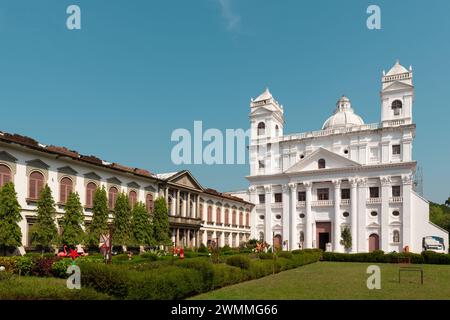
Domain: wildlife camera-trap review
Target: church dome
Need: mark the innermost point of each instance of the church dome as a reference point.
(343, 116)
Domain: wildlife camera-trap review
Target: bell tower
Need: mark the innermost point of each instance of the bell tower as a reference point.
(267, 124)
(397, 96)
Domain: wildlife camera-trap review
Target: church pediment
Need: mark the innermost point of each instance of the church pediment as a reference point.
(332, 161)
(397, 85)
(185, 178)
(263, 110)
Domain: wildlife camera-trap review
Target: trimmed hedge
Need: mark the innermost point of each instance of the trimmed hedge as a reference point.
(181, 279)
(428, 257)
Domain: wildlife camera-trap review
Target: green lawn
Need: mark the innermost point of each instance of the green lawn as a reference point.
(340, 280)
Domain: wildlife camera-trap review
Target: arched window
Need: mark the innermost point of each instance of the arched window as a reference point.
(227, 216)
(261, 236)
(218, 217)
(132, 198)
(149, 202)
(241, 218)
(36, 184)
(112, 196)
(90, 191)
(277, 131)
(397, 107)
(209, 213)
(261, 129)
(321, 163)
(5, 175)
(65, 188)
(247, 219)
(233, 218)
(396, 236)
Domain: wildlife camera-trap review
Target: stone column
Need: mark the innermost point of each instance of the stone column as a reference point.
(183, 207)
(293, 239)
(194, 206)
(385, 195)
(406, 192)
(253, 216)
(362, 212)
(222, 239)
(173, 237)
(336, 218)
(189, 238)
(178, 237)
(177, 212)
(309, 219)
(188, 206)
(268, 236)
(286, 215)
(166, 196)
(354, 214)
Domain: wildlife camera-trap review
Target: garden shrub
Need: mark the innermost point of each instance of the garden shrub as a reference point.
(109, 279)
(59, 268)
(202, 248)
(242, 262)
(261, 268)
(202, 265)
(285, 254)
(23, 265)
(225, 275)
(42, 266)
(150, 256)
(8, 262)
(432, 257)
(429, 257)
(265, 256)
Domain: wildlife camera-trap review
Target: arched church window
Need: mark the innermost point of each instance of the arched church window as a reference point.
(321, 163)
(261, 129)
(5, 175)
(261, 236)
(397, 107)
(396, 236)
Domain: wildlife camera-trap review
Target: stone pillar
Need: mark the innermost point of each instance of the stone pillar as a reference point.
(268, 236)
(222, 239)
(194, 206)
(354, 214)
(166, 196)
(178, 237)
(293, 237)
(253, 216)
(177, 212)
(406, 233)
(204, 237)
(337, 218)
(286, 216)
(362, 213)
(183, 207)
(189, 238)
(385, 195)
(188, 206)
(309, 219)
(173, 237)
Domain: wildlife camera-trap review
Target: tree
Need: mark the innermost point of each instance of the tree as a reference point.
(122, 220)
(10, 233)
(447, 202)
(99, 223)
(346, 238)
(140, 225)
(44, 233)
(160, 223)
(72, 233)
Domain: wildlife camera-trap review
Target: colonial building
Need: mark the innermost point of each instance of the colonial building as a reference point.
(30, 165)
(307, 187)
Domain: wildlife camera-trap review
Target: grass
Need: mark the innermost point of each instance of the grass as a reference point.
(340, 280)
(34, 288)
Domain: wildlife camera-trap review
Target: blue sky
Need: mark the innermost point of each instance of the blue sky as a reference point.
(140, 69)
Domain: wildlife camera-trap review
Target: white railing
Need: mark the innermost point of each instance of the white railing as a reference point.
(261, 206)
(373, 200)
(396, 199)
(322, 203)
(345, 202)
(276, 205)
(301, 204)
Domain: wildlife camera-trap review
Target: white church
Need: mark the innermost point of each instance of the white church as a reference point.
(307, 187)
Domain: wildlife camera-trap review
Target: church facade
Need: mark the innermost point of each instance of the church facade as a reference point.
(308, 187)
